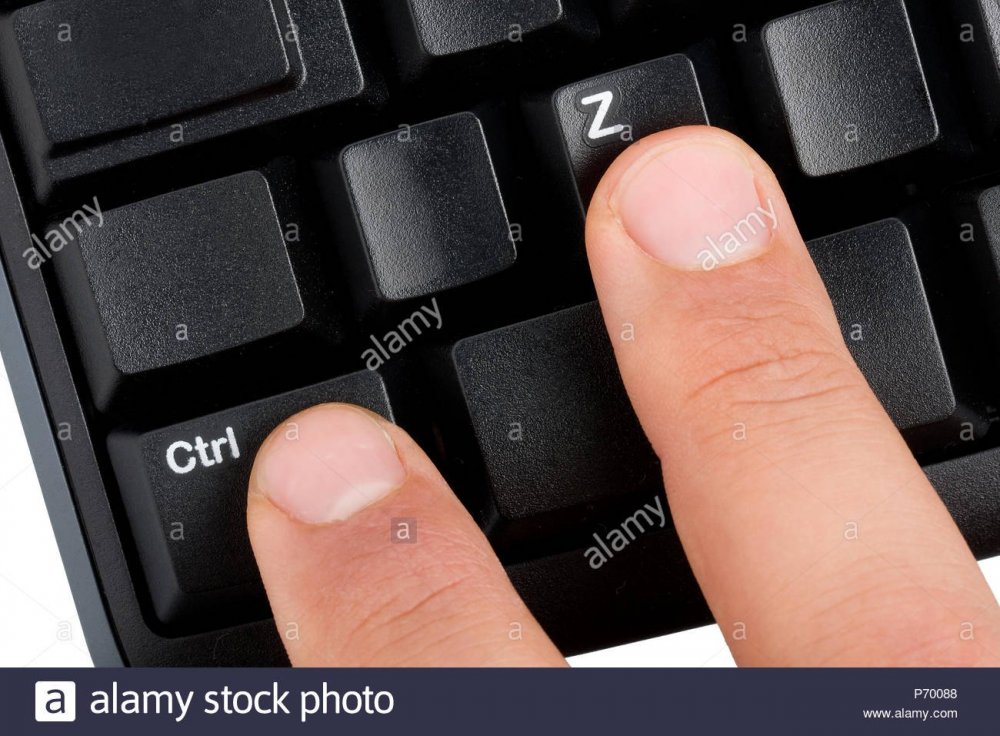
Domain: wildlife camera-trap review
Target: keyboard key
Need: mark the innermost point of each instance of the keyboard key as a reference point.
(428, 209)
(980, 41)
(986, 215)
(429, 32)
(598, 118)
(119, 66)
(174, 279)
(644, 587)
(979, 227)
(851, 84)
(970, 488)
(554, 427)
(184, 488)
(120, 80)
(874, 282)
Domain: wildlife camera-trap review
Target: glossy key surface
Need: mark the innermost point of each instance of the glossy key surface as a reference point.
(428, 208)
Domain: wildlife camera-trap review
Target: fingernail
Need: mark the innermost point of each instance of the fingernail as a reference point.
(695, 206)
(327, 464)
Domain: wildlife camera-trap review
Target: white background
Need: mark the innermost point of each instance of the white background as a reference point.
(38, 622)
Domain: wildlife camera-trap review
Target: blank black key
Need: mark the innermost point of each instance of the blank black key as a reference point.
(557, 435)
(184, 488)
(875, 285)
(106, 83)
(980, 40)
(987, 215)
(428, 209)
(598, 118)
(980, 210)
(431, 31)
(125, 63)
(176, 278)
(645, 589)
(970, 488)
(851, 84)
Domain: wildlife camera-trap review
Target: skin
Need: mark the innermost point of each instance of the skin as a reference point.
(765, 520)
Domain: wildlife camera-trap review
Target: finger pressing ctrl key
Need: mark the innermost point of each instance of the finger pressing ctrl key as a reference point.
(813, 533)
(370, 559)
(184, 490)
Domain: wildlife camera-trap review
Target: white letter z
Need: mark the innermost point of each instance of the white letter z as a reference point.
(604, 100)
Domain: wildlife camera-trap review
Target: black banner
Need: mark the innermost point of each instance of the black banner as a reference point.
(502, 702)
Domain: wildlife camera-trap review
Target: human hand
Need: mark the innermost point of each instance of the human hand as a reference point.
(742, 332)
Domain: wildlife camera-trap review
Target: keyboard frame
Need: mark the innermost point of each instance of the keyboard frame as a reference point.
(24, 375)
(112, 611)
(92, 531)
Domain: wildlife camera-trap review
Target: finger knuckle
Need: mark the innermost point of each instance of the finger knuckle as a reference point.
(775, 356)
(857, 622)
(408, 600)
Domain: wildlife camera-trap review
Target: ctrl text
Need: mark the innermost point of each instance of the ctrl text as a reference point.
(184, 456)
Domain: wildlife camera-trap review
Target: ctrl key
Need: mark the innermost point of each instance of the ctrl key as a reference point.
(184, 490)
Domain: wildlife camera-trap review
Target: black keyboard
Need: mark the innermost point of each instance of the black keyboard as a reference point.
(215, 213)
